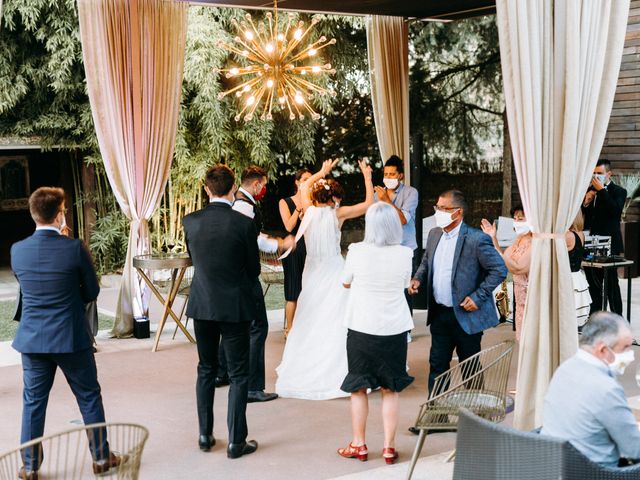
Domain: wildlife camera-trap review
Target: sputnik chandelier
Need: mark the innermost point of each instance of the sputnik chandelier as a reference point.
(280, 67)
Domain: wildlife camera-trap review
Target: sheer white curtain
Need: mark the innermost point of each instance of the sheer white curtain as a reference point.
(133, 55)
(560, 63)
(387, 45)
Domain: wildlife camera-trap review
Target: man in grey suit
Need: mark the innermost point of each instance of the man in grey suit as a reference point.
(585, 404)
(460, 269)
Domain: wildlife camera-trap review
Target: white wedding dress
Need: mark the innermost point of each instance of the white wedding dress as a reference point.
(314, 362)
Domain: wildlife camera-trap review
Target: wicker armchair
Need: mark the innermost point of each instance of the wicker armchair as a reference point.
(67, 455)
(271, 271)
(486, 451)
(479, 383)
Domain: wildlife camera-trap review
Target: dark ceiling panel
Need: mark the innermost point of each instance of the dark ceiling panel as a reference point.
(445, 9)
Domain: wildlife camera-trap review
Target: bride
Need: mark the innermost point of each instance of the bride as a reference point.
(314, 362)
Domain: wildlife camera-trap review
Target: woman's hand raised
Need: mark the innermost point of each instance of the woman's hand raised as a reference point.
(328, 165)
(366, 169)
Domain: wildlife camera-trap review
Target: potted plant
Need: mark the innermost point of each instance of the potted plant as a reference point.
(630, 229)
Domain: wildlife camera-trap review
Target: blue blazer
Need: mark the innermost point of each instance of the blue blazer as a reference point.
(477, 270)
(57, 278)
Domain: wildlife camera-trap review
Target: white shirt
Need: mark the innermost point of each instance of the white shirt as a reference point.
(53, 229)
(245, 208)
(443, 267)
(378, 277)
(265, 244)
(220, 200)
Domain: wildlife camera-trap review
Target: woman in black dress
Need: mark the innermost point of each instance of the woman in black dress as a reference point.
(291, 213)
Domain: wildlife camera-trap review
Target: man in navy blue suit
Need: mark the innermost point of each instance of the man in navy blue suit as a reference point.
(56, 279)
(460, 269)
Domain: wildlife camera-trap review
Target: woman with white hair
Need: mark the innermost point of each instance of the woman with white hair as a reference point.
(377, 271)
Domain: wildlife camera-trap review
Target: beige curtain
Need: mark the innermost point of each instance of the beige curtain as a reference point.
(387, 45)
(133, 55)
(560, 63)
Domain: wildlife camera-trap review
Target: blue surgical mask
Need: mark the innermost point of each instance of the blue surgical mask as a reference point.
(601, 178)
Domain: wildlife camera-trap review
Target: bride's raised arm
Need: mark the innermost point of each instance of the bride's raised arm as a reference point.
(359, 209)
(305, 187)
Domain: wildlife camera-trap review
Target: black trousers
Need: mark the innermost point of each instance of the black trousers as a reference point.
(235, 340)
(258, 338)
(446, 336)
(595, 278)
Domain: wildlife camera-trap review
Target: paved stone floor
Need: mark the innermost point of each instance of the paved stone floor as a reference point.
(297, 438)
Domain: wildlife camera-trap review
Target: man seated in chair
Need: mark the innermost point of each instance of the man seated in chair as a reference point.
(585, 404)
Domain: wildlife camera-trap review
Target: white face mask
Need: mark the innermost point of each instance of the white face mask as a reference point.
(521, 228)
(621, 361)
(600, 177)
(391, 183)
(443, 219)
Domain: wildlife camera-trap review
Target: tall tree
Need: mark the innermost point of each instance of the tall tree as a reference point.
(456, 93)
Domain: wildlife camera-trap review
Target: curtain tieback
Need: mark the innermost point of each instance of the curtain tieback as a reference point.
(548, 236)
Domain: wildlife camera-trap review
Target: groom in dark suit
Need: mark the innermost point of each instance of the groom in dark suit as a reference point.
(56, 279)
(460, 270)
(223, 248)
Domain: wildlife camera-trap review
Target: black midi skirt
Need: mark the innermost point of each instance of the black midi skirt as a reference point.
(293, 266)
(376, 361)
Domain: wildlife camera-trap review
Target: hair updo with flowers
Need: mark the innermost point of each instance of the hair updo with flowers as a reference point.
(325, 190)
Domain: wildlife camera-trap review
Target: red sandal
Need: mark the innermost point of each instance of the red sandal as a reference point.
(390, 455)
(360, 452)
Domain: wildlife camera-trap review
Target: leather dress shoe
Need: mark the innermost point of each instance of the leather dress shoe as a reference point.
(260, 396)
(114, 461)
(24, 474)
(205, 442)
(222, 381)
(236, 450)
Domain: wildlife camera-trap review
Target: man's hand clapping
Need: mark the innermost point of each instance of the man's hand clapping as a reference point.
(383, 195)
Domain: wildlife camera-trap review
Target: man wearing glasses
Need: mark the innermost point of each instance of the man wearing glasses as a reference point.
(460, 269)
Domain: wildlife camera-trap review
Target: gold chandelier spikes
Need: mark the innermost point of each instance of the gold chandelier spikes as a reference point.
(280, 70)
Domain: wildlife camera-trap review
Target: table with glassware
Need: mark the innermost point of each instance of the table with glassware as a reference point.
(177, 264)
(622, 263)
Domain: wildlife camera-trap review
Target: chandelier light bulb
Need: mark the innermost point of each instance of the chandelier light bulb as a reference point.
(276, 73)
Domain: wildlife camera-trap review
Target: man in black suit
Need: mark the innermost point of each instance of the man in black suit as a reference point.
(223, 248)
(56, 279)
(253, 187)
(602, 208)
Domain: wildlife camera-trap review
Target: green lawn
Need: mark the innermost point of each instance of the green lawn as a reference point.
(8, 327)
(274, 300)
